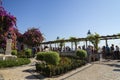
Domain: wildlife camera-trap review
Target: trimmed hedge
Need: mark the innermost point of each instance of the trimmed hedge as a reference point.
(28, 53)
(82, 54)
(14, 52)
(66, 64)
(15, 62)
(50, 57)
(41, 56)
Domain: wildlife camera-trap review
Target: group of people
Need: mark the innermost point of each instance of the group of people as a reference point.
(106, 52)
(112, 52)
(93, 54)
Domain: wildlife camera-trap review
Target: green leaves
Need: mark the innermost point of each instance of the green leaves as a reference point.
(49, 57)
(94, 39)
(82, 54)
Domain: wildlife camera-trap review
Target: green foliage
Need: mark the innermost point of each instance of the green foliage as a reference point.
(62, 42)
(21, 54)
(94, 39)
(28, 53)
(14, 52)
(41, 56)
(39, 67)
(14, 62)
(75, 41)
(66, 64)
(50, 57)
(82, 54)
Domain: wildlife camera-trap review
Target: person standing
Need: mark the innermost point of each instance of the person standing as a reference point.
(33, 51)
(117, 52)
(112, 51)
(107, 50)
(89, 52)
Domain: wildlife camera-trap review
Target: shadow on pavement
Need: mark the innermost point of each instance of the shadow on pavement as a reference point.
(31, 77)
(118, 61)
(114, 65)
(29, 70)
(116, 69)
(34, 75)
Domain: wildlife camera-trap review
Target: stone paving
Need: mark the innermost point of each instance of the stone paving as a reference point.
(105, 70)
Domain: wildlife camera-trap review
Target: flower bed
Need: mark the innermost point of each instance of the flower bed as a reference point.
(66, 64)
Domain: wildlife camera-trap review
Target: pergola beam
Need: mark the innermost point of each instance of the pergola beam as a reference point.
(84, 39)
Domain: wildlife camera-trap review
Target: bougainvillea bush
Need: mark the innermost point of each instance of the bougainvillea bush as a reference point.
(7, 23)
(6, 20)
(33, 37)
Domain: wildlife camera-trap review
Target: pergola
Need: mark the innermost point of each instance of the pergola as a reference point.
(106, 38)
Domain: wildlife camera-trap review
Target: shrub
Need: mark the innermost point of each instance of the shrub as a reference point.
(28, 53)
(14, 52)
(52, 58)
(15, 62)
(82, 54)
(21, 54)
(49, 57)
(41, 55)
(66, 64)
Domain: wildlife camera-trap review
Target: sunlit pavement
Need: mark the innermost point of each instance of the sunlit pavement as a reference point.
(104, 70)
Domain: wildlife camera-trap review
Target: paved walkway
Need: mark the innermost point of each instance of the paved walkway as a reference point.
(106, 70)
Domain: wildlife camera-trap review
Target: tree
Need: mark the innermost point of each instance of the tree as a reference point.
(94, 39)
(13, 31)
(33, 37)
(19, 36)
(7, 22)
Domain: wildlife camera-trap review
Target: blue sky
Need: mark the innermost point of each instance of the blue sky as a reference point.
(65, 18)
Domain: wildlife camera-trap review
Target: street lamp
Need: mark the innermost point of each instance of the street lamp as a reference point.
(57, 37)
(88, 32)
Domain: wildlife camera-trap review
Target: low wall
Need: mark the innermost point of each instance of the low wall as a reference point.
(7, 57)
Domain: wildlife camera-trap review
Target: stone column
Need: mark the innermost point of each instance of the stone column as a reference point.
(8, 47)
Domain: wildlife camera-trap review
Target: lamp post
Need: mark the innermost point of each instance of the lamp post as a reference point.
(88, 33)
(57, 39)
